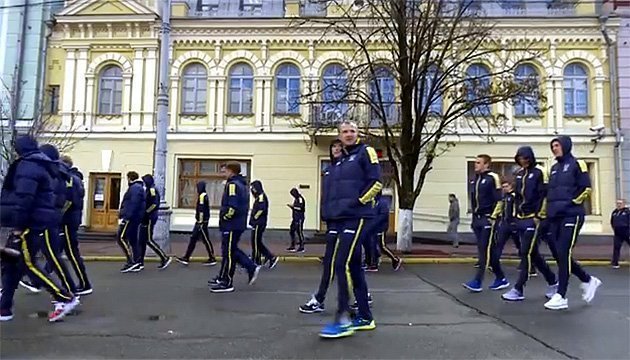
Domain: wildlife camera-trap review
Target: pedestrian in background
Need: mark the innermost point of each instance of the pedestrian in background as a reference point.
(152, 204)
(453, 219)
(200, 230)
(258, 222)
(620, 222)
(132, 209)
(298, 209)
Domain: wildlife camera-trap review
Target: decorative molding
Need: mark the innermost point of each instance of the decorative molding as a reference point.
(329, 57)
(286, 56)
(585, 57)
(203, 57)
(229, 59)
(124, 63)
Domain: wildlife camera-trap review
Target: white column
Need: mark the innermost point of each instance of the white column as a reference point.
(126, 100)
(79, 87)
(558, 103)
(500, 109)
(68, 89)
(599, 101)
(174, 102)
(268, 105)
(150, 86)
(220, 104)
(508, 111)
(136, 88)
(550, 116)
(89, 101)
(259, 100)
(211, 97)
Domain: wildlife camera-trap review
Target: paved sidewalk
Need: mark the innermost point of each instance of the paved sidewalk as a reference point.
(581, 252)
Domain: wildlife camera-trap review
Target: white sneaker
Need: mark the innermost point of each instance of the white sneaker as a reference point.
(30, 287)
(557, 302)
(551, 289)
(590, 288)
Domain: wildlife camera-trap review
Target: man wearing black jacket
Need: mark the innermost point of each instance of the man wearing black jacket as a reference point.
(200, 230)
(130, 214)
(149, 219)
(620, 222)
(297, 221)
(258, 222)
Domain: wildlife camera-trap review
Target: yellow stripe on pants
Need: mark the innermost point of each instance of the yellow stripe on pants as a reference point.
(73, 257)
(55, 261)
(33, 268)
(354, 243)
(573, 238)
(489, 246)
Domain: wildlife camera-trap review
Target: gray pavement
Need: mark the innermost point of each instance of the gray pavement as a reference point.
(421, 312)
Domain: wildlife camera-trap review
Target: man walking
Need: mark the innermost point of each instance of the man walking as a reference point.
(485, 195)
(150, 217)
(453, 219)
(620, 222)
(297, 221)
(132, 209)
(383, 204)
(258, 222)
(569, 186)
(200, 230)
(232, 224)
(354, 186)
(531, 191)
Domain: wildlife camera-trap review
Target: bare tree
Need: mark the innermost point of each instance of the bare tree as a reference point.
(418, 75)
(44, 126)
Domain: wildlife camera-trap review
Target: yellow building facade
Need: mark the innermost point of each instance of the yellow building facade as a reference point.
(229, 82)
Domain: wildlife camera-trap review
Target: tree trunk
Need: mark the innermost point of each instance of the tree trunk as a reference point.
(404, 235)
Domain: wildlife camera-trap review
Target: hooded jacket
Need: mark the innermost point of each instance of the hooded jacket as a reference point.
(531, 186)
(569, 183)
(260, 210)
(28, 199)
(202, 209)
(62, 184)
(234, 205)
(485, 194)
(355, 184)
(326, 183)
(152, 200)
(133, 204)
(299, 205)
(508, 208)
(75, 192)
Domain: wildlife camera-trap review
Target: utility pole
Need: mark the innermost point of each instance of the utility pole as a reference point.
(163, 225)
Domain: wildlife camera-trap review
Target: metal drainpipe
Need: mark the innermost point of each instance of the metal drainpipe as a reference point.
(614, 113)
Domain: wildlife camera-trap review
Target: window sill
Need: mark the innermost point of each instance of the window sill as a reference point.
(287, 114)
(239, 114)
(578, 118)
(194, 114)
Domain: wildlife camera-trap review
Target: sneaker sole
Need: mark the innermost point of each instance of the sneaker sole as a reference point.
(472, 289)
(166, 264)
(222, 290)
(255, 277)
(209, 264)
(182, 262)
(590, 298)
(368, 327)
(513, 299)
(337, 336)
(310, 311)
(66, 310)
(504, 286)
(396, 268)
(6, 318)
(273, 264)
(32, 289)
(556, 308)
(85, 292)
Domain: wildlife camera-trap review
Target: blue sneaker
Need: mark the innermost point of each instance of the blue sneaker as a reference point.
(499, 284)
(473, 285)
(336, 330)
(363, 324)
(513, 295)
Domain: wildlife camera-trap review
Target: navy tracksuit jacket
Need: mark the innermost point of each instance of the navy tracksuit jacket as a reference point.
(620, 222)
(132, 209)
(150, 217)
(258, 222)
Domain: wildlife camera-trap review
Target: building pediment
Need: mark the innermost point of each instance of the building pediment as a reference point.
(104, 8)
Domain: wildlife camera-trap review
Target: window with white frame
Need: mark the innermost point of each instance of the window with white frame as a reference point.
(287, 89)
(334, 91)
(383, 94)
(194, 85)
(478, 85)
(575, 90)
(240, 97)
(527, 76)
(110, 88)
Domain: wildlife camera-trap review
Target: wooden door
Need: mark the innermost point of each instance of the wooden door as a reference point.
(104, 201)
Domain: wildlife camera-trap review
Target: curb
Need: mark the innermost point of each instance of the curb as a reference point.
(406, 260)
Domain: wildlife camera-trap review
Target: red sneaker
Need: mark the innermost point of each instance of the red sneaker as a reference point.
(62, 309)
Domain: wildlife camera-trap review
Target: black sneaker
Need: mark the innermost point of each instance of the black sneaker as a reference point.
(396, 263)
(273, 262)
(128, 267)
(312, 306)
(222, 288)
(300, 250)
(30, 286)
(372, 268)
(254, 275)
(291, 249)
(210, 262)
(355, 306)
(165, 263)
(214, 281)
(137, 268)
(182, 260)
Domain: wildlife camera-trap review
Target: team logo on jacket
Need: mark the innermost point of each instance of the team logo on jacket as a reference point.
(530, 176)
(565, 168)
(483, 181)
(351, 158)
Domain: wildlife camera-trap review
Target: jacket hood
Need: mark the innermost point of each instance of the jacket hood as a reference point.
(526, 152)
(333, 143)
(566, 143)
(257, 187)
(239, 178)
(25, 144)
(201, 187)
(50, 151)
(295, 193)
(148, 180)
(77, 172)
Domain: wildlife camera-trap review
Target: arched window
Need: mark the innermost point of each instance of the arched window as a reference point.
(575, 90)
(526, 105)
(195, 81)
(478, 87)
(240, 96)
(287, 89)
(334, 91)
(110, 87)
(429, 93)
(383, 83)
